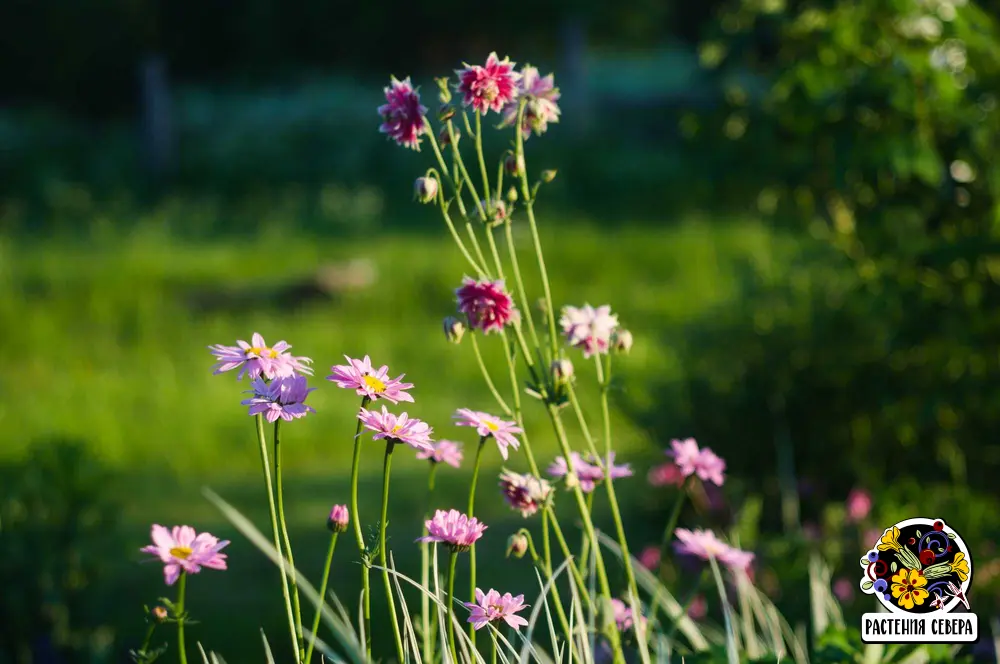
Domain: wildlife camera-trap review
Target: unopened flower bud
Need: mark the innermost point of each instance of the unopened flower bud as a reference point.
(159, 613)
(517, 545)
(453, 329)
(444, 138)
(446, 112)
(498, 213)
(425, 189)
(339, 518)
(512, 195)
(513, 164)
(444, 94)
(548, 175)
(623, 341)
(562, 370)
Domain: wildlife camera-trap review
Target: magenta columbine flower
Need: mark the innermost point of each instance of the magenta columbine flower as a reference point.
(494, 607)
(402, 114)
(502, 431)
(705, 545)
(487, 304)
(859, 504)
(588, 328)
(257, 359)
(525, 493)
(183, 550)
(361, 376)
(488, 88)
(692, 460)
(453, 528)
(541, 95)
(443, 451)
(402, 429)
(281, 398)
(338, 519)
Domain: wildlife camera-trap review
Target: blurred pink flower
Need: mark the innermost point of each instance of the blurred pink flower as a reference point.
(453, 528)
(183, 550)
(402, 429)
(859, 505)
(843, 589)
(692, 460)
(698, 608)
(443, 451)
(540, 108)
(282, 398)
(665, 474)
(402, 114)
(588, 328)
(486, 304)
(257, 359)
(489, 87)
(366, 381)
(525, 493)
(502, 431)
(494, 607)
(608, 467)
(705, 545)
(624, 617)
(650, 557)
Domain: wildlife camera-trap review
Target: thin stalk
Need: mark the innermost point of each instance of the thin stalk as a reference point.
(293, 585)
(425, 574)
(181, 650)
(472, 549)
(457, 154)
(451, 605)
(482, 161)
(731, 650)
(546, 567)
(493, 638)
(585, 544)
(455, 236)
(519, 282)
(493, 250)
(685, 607)
(675, 513)
(561, 541)
(322, 596)
(486, 376)
(390, 443)
(360, 537)
(518, 416)
(500, 170)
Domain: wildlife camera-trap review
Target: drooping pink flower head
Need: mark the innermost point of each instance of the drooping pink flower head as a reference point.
(494, 607)
(486, 304)
(705, 545)
(624, 617)
(587, 474)
(540, 95)
(338, 519)
(257, 359)
(588, 328)
(402, 114)
(525, 493)
(282, 398)
(443, 451)
(859, 504)
(181, 549)
(361, 376)
(502, 431)
(490, 87)
(665, 474)
(692, 460)
(453, 528)
(403, 429)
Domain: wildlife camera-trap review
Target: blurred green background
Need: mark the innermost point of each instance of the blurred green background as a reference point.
(794, 206)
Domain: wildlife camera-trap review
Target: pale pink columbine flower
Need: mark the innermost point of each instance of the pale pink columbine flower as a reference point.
(443, 451)
(490, 87)
(705, 545)
(502, 431)
(541, 95)
(494, 607)
(402, 114)
(486, 304)
(665, 474)
(692, 460)
(282, 398)
(361, 376)
(257, 359)
(587, 474)
(588, 328)
(624, 617)
(453, 528)
(402, 429)
(525, 493)
(859, 504)
(181, 549)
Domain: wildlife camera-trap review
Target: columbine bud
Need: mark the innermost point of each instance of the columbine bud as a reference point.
(453, 329)
(425, 189)
(549, 175)
(562, 370)
(512, 195)
(517, 545)
(499, 212)
(513, 165)
(159, 613)
(444, 138)
(446, 112)
(339, 518)
(444, 96)
(623, 341)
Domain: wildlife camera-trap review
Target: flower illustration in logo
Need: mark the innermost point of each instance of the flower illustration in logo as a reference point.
(908, 587)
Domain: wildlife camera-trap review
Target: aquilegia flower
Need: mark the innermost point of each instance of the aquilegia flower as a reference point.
(181, 549)
(361, 376)
(588, 328)
(494, 607)
(705, 545)
(402, 114)
(525, 493)
(488, 88)
(403, 429)
(281, 398)
(443, 451)
(502, 431)
(453, 528)
(487, 304)
(541, 95)
(692, 460)
(257, 359)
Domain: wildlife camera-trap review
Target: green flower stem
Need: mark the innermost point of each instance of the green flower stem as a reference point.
(585, 543)
(731, 651)
(493, 637)
(518, 416)
(360, 537)
(472, 549)
(390, 443)
(482, 161)
(486, 376)
(464, 171)
(685, 606)
(425, 565)
(546, 567)
(521, 293)
(561, 541)
(493, 250)
(297, 609)
(181, 587)
(455, 236)
(265, 464)
(499, 194)
(322, 596)
(675, 513)
(452, 179)
(451, 605)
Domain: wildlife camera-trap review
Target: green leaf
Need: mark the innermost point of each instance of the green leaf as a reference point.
(918, 533)
(893, 566)
(867, 585)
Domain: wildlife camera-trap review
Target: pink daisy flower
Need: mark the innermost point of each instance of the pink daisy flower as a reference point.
(692, 460)
(705, 545)
(257, 359)
(486, 304)
(540, 108)
(588, 328)
(281, 398)
(453, 528)
(587, 474)
(402, 114)
(402, 429)
(525, 493)
(494, 607)
(339, 518)
(490, 87)
(502, 431)
(361, 376)
(183, 550)
(710, 467)
(623, 615)
(443, 451)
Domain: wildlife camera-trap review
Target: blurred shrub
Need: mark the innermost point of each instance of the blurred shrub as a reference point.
(58, 535)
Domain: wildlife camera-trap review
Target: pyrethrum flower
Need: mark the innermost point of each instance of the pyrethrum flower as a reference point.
(705, 545)
(281, 398)
(181, 549)
(257, 359)
(490, 87)
(540, 95)
(692, 460)
(525, 493)
(402, 114)
(494, 607)
(588, 328)
(361, 376)
(403, 429)
(502, 431)
(443, 451)
(338, 519)
(486, 304)
(453, 528)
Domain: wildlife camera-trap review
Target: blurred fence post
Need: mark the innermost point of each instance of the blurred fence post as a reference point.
(574, 72)
(157, 123)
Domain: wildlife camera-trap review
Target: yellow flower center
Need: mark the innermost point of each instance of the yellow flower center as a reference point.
(374, 384)
(271, 353)
(396, 428)
(181, 552)
(259, 351)
(492, 426)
